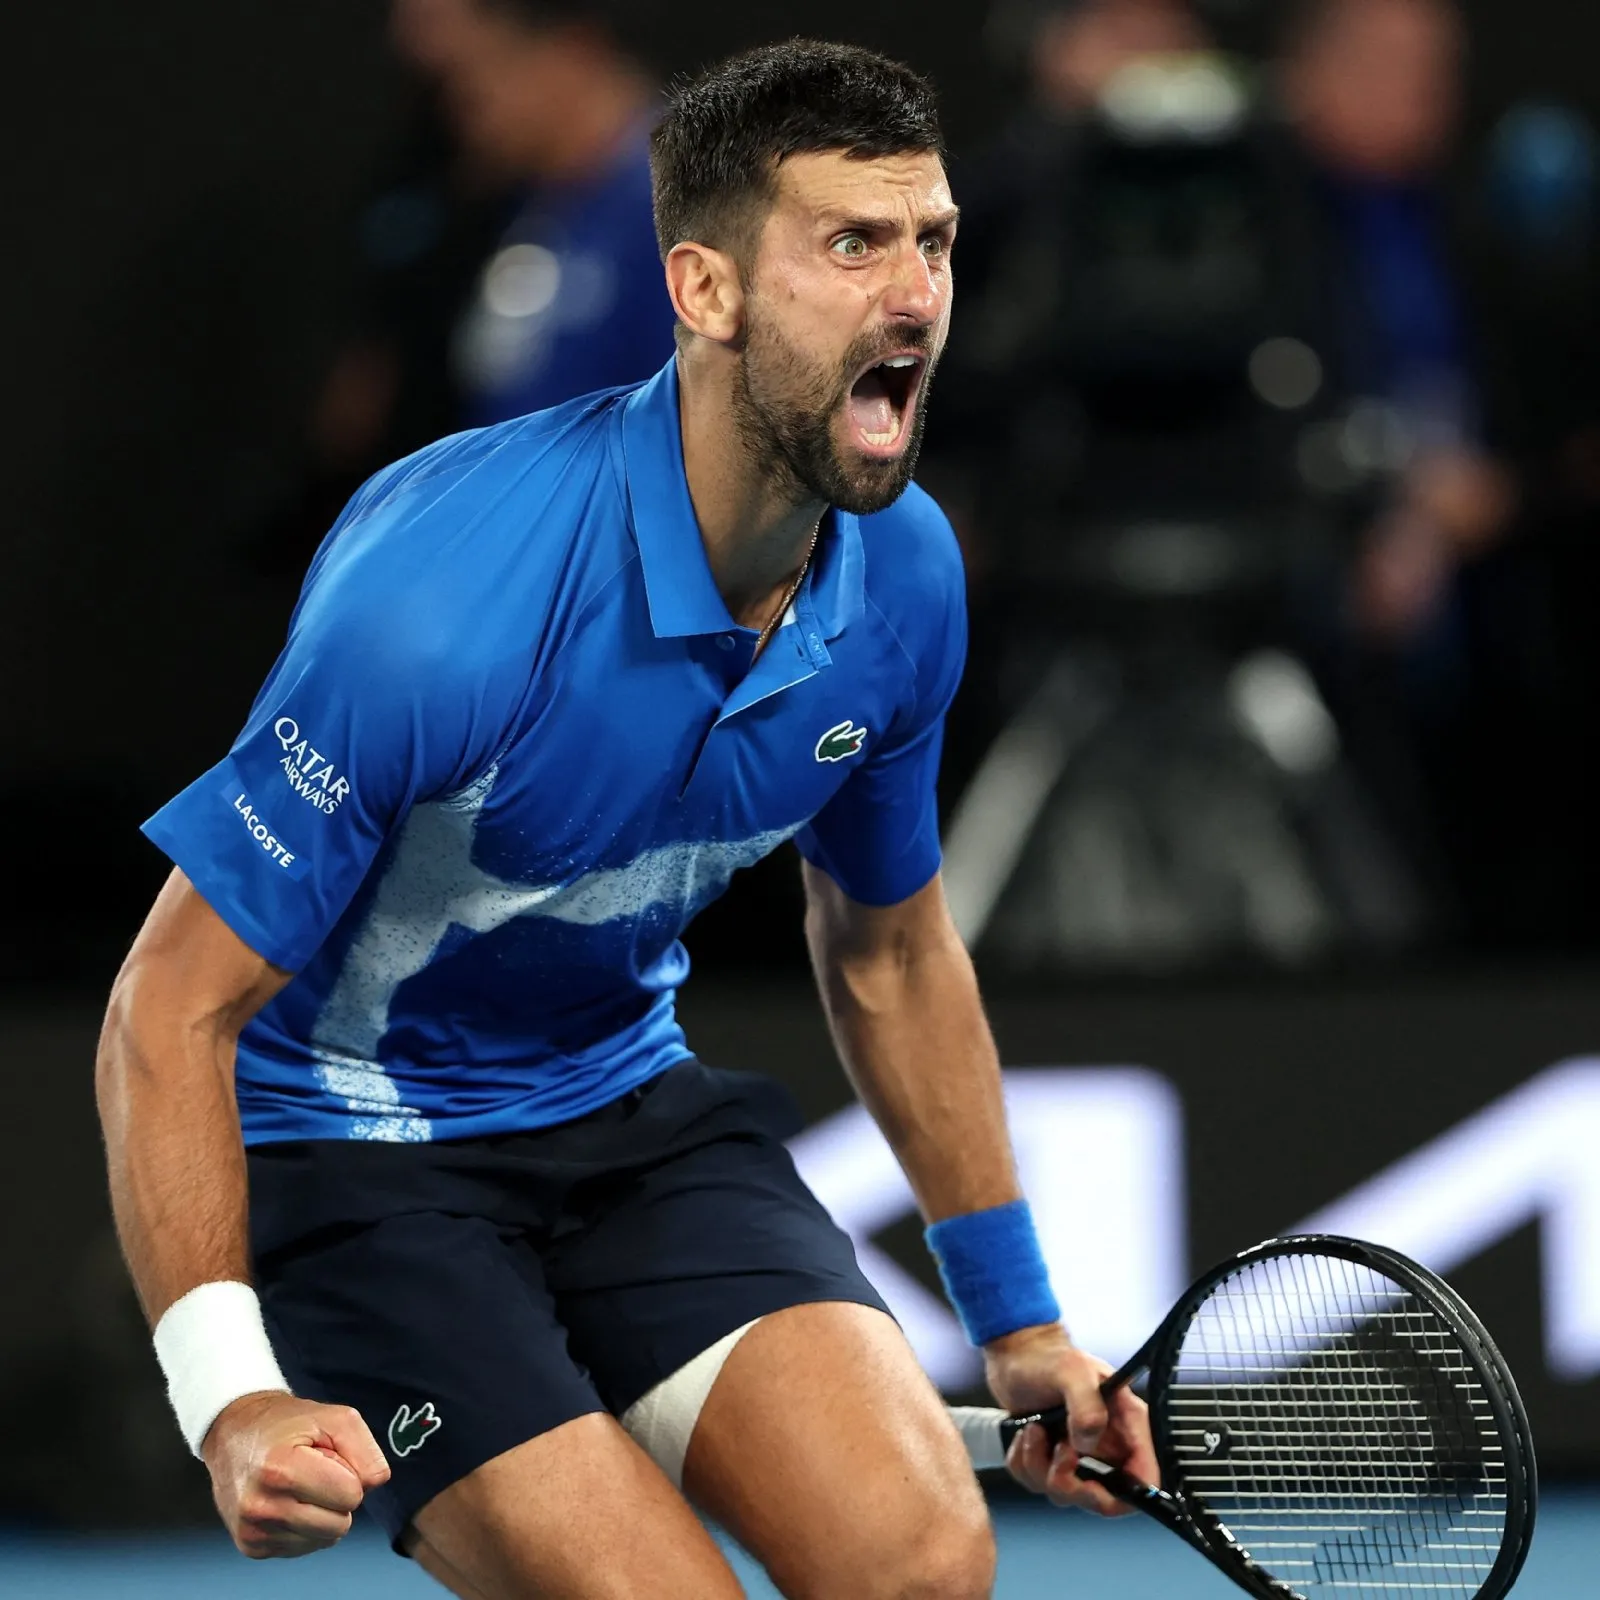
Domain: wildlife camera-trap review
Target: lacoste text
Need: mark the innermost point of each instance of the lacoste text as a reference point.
(261, 833)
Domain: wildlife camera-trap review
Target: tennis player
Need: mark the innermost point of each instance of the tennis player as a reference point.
(430, 1203)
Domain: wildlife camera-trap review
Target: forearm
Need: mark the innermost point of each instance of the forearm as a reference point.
(174, 1154)
(910, 1029)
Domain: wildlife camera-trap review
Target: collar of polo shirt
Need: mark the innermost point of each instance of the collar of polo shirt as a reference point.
(683, 594)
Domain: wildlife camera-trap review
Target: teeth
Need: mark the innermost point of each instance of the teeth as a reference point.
(899, 361)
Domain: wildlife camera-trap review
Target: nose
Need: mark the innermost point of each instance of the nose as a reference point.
(917, 291)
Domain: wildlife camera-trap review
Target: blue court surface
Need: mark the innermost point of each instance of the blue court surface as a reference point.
(1042, 1554)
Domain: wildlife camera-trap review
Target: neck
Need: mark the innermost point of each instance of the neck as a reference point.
(756, 522)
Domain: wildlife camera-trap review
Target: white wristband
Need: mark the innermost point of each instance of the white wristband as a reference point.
(213, 1347)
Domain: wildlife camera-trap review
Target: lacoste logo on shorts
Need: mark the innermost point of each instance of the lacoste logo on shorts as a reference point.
(410, 1430)
(843, 739)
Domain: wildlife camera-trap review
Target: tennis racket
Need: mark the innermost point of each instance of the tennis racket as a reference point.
(1331, 1419)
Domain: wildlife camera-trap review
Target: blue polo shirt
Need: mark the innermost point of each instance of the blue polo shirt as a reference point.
(515, 742)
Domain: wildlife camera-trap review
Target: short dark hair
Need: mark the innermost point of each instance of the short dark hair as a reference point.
(714, 156)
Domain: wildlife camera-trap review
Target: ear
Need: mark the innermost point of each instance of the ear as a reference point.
(706, 291)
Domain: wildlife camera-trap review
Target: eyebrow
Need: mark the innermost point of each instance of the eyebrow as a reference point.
(855, 224)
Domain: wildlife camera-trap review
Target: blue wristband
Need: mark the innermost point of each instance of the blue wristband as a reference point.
(993, 1271)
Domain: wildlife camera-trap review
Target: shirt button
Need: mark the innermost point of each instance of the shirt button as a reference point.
(726, 641)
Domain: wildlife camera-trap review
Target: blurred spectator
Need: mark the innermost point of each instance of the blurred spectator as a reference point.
(1411, 631)
(512, 264)
(506, 262)
(540, 93)
(1373, 88)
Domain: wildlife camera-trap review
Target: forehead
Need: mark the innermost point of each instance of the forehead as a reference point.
(828, 183)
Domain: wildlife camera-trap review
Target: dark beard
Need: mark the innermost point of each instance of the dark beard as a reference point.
(784, 408)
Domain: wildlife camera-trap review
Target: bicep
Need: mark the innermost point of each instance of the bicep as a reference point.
(187, 962)
(846, 932)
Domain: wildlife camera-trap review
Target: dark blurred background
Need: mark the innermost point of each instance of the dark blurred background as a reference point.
(1254, 382)
(1271, 428)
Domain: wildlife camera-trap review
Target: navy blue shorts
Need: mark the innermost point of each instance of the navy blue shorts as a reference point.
(467, 1296)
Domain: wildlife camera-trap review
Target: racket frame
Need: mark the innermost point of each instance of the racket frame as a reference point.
(1206, 1532)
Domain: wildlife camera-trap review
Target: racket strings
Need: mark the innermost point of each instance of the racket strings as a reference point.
(1335, 1424)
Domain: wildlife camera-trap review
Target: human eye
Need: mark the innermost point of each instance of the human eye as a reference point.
(852, 246)
(935, 246)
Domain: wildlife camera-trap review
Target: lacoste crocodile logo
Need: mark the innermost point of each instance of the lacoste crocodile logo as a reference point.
(410, 1430)
(842, 740)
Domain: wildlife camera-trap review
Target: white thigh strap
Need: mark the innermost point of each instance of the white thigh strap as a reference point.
(662, 1421)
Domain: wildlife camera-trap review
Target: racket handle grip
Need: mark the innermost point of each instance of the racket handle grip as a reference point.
(980, 1430)
(1054, 1422)
(1117, 1483)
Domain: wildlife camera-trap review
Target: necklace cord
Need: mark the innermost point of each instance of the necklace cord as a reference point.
(775, 620)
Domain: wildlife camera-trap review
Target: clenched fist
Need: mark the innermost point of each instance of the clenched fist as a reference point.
(288, 1474)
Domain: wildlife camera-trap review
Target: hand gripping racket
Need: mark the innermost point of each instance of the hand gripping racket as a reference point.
(1331, 1419)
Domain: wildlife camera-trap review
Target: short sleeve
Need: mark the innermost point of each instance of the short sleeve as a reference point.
(878, 837)
(359, 719)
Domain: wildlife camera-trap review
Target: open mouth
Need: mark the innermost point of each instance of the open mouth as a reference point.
(882, 401)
